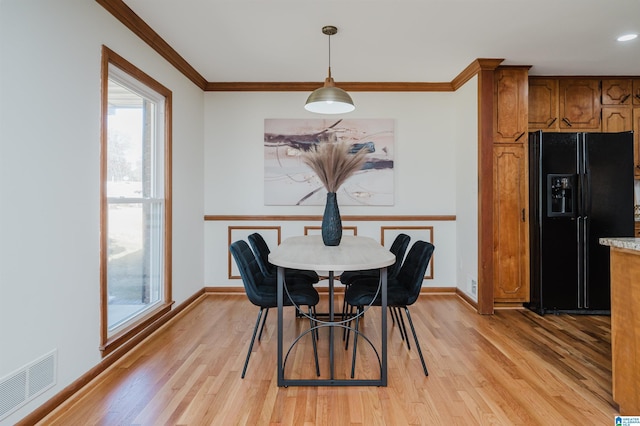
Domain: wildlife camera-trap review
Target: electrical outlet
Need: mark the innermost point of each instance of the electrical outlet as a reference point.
(472, 285)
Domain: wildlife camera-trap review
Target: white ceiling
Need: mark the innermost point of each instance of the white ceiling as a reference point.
(394, 40)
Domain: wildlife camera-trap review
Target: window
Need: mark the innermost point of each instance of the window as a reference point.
(135, 260)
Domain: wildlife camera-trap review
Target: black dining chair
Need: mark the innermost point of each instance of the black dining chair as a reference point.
(402, 291)
(261, 250)
(398, 248)
(262, 292)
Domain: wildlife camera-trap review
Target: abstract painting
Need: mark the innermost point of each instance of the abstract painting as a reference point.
(289, 182)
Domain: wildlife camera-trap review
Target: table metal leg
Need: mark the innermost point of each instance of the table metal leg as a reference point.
(332, 381)
(383, 372)
(331, 327)
(280, 280)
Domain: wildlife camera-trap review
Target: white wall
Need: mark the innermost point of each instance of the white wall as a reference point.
(425, 167)
(49, 181)
(467, 186)
(49, 177)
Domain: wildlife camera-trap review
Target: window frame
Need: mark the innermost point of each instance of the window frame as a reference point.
(139, 323)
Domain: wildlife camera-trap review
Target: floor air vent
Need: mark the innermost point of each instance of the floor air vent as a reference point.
(23, 385)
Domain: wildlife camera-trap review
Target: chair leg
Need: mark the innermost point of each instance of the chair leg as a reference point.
(403, 329)
(266, 313)
(397, 315)
(344, 303)
(346, 330)
(415, 337)
(313, 339)
(253, 338)
(315, 315)
(355, 342)
(345, 311)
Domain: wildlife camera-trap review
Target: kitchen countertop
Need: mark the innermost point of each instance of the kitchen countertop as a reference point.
(625, 243)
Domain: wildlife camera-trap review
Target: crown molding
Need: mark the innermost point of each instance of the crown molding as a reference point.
(131, 20)
(473, 69)
(310, 86)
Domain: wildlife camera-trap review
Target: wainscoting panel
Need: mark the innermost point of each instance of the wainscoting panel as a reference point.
(271, 234)
(424, 233)
(221, 231)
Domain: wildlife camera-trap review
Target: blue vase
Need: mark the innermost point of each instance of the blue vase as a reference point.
(331, 222)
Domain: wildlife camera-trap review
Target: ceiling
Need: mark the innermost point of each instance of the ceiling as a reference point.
(394, 40)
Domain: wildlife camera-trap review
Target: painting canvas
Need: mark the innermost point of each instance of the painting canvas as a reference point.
(289, 182)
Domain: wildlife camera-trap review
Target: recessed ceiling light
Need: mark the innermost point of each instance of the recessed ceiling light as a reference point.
(627, 37)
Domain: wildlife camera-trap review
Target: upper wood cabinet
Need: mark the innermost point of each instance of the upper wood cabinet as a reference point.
(617, 119)
(636, 141)
(510, 106)
(624, 113)
(617, 92)
(565, 105)
(543, 104)
(579, 105)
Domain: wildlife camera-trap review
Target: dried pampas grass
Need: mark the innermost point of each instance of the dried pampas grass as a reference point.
(333, 163)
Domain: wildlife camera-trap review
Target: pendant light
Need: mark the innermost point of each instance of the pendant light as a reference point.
(329, 99)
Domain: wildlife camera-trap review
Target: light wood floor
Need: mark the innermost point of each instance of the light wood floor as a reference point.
(514, 367)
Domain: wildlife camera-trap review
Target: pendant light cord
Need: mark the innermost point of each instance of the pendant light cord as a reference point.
(329, 51)
(329, 55)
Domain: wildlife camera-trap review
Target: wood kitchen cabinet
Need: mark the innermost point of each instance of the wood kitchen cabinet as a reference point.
(617, 119)
(579, 105)
(625, 329)
(543, 105)
(510, 223)
(635, 93)
(510, 185)
(565, 105)
(510, 104)
(620, 113)
(636, 142)
(616, 91)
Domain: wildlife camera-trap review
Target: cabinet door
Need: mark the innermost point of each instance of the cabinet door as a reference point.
(616, 92)
(579, 105)
(510, 106)
(543, 104)
(617, 119)
(636, 92)
(510, 232)
(636, 142)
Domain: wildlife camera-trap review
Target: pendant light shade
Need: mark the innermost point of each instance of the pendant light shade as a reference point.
(329, 99)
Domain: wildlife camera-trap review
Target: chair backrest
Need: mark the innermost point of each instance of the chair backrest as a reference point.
(261, 250)
(252, 277)
(399, 248)
(413, 268)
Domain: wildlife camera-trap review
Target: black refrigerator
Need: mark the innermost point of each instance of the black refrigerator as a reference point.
(581, 189)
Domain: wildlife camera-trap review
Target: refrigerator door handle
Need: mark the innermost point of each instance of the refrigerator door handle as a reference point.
(587, 190)
(585, 178)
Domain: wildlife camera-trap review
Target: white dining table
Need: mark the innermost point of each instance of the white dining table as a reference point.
(354, 253)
